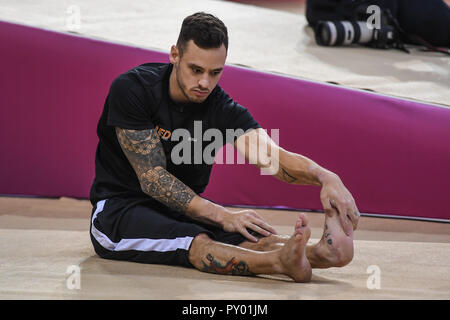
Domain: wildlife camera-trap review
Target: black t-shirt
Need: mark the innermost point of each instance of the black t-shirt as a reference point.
(139, 99)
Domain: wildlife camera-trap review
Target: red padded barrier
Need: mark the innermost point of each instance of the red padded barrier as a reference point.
(392, 154)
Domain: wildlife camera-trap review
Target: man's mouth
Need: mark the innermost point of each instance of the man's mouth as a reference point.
(201, 93)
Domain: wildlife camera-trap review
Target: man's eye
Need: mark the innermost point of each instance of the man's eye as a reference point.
(197, 70)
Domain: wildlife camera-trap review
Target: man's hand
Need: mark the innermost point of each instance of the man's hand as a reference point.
(336, 198)
(240, 221)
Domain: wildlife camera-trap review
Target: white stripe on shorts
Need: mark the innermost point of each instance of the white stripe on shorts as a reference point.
(140, 244)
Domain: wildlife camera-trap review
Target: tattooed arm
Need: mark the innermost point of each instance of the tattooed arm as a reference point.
(261, 150)
(145, 153)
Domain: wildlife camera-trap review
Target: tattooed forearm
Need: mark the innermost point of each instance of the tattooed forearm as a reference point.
(166, 188)
(232, 266)
(146, 155)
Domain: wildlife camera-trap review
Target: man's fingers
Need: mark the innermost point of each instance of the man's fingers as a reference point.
(345, 223)
(353, 214)
(267, 227)
(328, 208)
(354, 217)
(258, 229)
(246, 234)
(357, 215)
(259, 221)
(351, 220)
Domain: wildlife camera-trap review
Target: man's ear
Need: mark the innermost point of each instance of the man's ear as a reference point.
(174, 55)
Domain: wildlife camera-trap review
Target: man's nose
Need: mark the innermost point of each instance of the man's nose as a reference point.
(204, 82)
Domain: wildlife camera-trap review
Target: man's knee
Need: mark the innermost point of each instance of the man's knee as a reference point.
(197, 249)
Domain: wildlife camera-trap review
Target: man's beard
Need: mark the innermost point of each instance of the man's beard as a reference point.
(183, 87)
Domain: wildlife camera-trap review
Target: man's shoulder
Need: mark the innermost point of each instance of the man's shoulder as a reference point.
(148, 72)
(141, 79)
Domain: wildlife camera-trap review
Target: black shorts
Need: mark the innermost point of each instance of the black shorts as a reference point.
(123, 229)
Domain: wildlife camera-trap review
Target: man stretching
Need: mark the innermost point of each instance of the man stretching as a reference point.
(147, 207)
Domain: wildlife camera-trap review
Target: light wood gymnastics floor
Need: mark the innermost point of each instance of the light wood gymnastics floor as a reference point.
(40, 238)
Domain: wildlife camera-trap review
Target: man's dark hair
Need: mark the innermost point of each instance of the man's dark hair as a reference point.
(206, 30)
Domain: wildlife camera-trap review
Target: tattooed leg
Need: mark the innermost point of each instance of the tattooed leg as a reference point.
(232, 266)
(335, 248)
(211, 256)
(220, 258)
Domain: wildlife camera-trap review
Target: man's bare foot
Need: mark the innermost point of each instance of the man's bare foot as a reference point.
(293, 257)
(335, 248)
